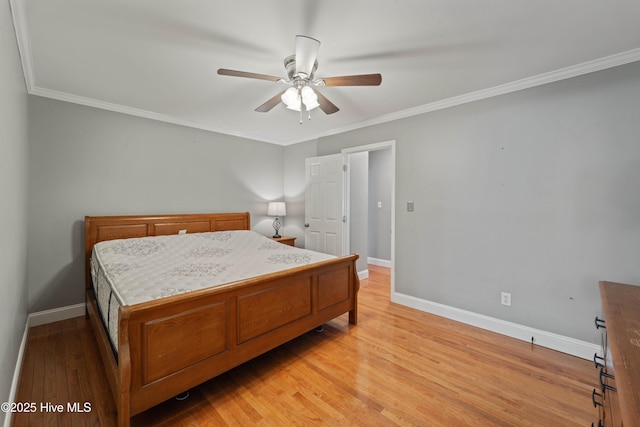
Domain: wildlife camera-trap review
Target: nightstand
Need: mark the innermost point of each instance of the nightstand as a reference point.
(285, 240)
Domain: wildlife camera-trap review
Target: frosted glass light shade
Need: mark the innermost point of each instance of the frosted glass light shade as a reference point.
(291, 98)
(309, 98)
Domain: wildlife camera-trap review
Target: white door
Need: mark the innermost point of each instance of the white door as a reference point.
(324, 210)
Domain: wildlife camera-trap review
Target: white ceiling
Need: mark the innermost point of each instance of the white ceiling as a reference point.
(158, 58)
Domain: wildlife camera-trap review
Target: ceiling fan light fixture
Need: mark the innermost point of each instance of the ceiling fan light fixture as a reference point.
(311, 105)
(309, 98)
(291, 98)
(301, 68)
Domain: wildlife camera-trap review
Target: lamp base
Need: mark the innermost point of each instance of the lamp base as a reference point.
(276, 227)
(276, 236)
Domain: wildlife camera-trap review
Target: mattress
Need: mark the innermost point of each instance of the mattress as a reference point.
(138, 270)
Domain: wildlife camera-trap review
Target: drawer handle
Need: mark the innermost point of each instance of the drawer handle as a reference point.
(600, 323)
(593, 398)
(604, 386)
(599, 424)
(595, 361)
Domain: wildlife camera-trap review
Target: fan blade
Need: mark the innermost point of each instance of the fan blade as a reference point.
(234, 73)
(325, 105)
(306, 54)
(268, 106)
(359, 80)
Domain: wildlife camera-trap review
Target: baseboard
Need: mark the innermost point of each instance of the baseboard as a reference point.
(37, 319)
(379, 262)
(364, 274)
(55, 315)
(550, 340)
(16, 374)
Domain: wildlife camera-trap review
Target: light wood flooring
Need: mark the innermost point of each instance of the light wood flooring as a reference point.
(398, 366)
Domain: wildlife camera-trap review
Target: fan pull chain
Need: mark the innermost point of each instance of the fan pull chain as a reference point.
(300, 114)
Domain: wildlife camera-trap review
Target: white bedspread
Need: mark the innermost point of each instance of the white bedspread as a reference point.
(133, 271)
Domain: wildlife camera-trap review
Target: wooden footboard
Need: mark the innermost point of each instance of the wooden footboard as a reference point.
(170, 345)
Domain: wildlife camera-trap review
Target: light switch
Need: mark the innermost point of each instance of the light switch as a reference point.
(410, 206)
(379, 204)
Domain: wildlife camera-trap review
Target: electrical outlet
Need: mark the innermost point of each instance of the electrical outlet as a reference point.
(505, 298)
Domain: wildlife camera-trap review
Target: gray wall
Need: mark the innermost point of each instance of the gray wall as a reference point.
(85, 161)
(13, 202)
(533, 193)
(358, 170)
(380, 186)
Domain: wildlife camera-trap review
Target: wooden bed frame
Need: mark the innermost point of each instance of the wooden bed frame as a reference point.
(167, 346)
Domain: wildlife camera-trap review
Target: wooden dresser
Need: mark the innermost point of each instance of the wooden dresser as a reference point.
(618, 398)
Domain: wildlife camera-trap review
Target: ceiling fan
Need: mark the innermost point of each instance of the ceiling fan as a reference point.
(301, 68)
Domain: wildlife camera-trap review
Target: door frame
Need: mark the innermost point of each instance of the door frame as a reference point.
(391, 144)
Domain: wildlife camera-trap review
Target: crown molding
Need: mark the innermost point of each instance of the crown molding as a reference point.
(20, 22)
(526, 83)
(21, 27)
(19, 14)
(91, 102)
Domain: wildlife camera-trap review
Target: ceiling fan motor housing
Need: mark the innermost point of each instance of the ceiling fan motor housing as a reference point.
(290, 66)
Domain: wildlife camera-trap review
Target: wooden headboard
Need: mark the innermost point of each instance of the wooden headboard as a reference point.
(101, 228)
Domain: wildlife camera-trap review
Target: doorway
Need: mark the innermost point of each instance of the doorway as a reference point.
(370, 205)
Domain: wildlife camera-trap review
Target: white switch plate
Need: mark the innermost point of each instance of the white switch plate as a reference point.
(410, 206)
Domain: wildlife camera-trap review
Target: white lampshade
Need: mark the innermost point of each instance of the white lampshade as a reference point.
(309, 98)
(310, 105)
(291, 99)
(276, 209)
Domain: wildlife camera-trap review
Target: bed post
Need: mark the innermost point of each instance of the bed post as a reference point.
(123, 398)
(353, 314)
